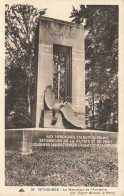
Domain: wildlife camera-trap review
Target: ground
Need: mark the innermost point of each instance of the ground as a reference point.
(63, 167)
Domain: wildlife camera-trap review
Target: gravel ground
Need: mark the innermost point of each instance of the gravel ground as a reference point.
(77, 167)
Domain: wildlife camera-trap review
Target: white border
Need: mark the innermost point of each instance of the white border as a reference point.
(5, 191)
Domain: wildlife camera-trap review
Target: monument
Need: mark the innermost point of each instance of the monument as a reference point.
(59, 103)
(59, 108)
(60, 64)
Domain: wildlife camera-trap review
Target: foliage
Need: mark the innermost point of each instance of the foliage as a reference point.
(63, 168)
(101, 47)
(20, 26)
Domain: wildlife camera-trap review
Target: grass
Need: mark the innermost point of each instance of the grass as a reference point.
(58, 167)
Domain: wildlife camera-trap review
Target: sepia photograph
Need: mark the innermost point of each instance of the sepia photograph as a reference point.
(61, 97)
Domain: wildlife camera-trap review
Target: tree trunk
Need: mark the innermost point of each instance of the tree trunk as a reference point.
(93, 111)
(29, 102)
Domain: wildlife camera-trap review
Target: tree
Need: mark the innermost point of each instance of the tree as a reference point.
(101, 47)
(20, 26)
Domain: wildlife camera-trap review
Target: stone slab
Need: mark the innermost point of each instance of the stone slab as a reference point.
(29, 140)
(14, 140)
(50, 33)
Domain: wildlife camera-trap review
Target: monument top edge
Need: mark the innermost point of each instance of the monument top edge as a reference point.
(61, 21)
(62, 130)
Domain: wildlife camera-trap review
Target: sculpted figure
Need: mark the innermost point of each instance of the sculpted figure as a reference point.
(58, 106)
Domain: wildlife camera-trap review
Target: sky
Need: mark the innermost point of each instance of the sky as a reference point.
(58, 9)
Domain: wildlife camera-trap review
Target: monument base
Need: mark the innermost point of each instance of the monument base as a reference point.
(28, 140)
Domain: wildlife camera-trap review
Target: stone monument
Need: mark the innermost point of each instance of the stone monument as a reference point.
(59, 93)
(60, 64)
(59, 90)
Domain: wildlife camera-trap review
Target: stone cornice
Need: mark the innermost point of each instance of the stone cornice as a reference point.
(62, 22)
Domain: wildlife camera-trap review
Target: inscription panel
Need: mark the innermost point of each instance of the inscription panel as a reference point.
(63, 33)
(71, 139)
